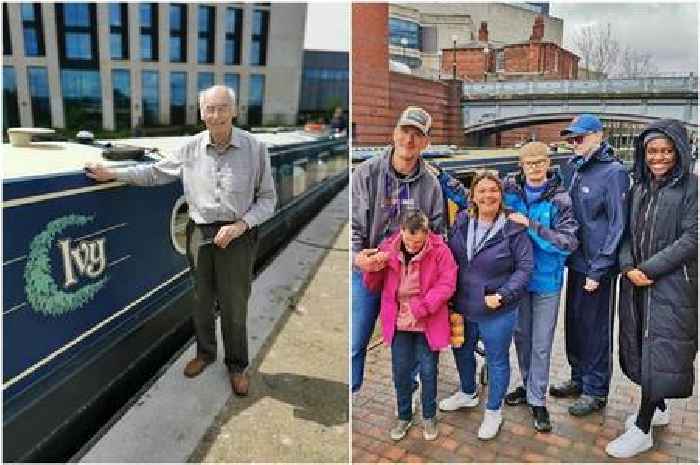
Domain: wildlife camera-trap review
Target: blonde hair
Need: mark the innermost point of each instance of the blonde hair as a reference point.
(533, 149)
(473, 209)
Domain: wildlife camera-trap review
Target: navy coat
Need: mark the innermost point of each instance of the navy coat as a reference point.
(598, 194)
(502, 266)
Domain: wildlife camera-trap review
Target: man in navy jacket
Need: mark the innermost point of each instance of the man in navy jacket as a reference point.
(598, 190)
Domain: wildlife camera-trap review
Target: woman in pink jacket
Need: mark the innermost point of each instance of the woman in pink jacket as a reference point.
(418, 277)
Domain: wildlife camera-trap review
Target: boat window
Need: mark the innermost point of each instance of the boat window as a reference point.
(178, 224)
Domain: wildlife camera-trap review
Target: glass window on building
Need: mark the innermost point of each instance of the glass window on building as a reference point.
(33, 29)
(205, 34)
(178, 97)
(6, 41)
(233, 81)
(119, 31)
(77, 33)
(500, 60)
(151, 99)
(10, 108)
(121, 94)
(38, 79)
(256, 99)
(258, 44)
(204, 81)
(178, 33)
(233, 26)
(148, 20)
(402, 29)
(82, 98)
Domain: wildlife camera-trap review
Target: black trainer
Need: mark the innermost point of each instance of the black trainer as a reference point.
(541, 416)
(517, 397)
(585, 405)
(565, 389)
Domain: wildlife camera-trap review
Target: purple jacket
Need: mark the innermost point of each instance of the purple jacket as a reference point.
(503, 265)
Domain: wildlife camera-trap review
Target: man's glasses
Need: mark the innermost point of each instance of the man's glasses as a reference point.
(535, 163)
(577, 140)
(211, 109)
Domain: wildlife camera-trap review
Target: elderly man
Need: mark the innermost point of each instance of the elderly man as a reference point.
(383, 187)
(598, 192)
(229, 188)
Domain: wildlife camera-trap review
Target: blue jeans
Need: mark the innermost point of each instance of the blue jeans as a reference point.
(496, 333)
(365, 309)
(533, 337)
(408, 349)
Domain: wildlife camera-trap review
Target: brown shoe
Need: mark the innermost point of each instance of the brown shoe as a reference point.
(196, 366)
(239, 383)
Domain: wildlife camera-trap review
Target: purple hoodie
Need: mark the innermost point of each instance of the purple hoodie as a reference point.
(502, 265)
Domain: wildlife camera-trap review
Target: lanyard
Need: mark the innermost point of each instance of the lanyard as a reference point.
(476, 247)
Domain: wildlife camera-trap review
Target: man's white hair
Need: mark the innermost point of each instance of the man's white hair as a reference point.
(203, 95)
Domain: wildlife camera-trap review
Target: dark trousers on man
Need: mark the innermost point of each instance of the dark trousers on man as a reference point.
(589, 320)
(223, 276)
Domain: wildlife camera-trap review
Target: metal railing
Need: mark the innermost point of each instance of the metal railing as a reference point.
(648, 85)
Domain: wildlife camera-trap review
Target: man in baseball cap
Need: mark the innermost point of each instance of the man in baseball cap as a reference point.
(598, 195)
(383, 187)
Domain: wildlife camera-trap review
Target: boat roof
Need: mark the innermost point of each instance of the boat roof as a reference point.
(51, 158)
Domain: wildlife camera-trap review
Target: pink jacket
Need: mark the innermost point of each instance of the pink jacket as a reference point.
(438, 279)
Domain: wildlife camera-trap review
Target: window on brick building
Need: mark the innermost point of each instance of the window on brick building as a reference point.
(500, 60)
(402, 29)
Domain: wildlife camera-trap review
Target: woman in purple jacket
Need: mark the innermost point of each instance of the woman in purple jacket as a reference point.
(495, 262)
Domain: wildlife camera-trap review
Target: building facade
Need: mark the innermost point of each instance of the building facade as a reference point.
(325, 83)
(429, 28)
(486, 60)
(126, 65)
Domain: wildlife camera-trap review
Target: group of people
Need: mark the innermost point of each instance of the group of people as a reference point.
(502, 268)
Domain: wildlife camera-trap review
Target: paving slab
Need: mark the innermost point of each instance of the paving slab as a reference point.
(572, 440)
(170, 419)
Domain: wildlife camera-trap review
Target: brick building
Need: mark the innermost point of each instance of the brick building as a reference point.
(485, 60)
(379, 95)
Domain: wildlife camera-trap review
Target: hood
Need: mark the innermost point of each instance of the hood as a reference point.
(386, 162)
(605, 154)
(392, 245)
(516, 183)
(674, 131)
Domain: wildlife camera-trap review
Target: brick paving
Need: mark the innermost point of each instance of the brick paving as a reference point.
(572, 439)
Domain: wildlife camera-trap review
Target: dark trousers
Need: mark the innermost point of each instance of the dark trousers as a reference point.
(589, 334)
(223, 276)
(646, 412)
(408, 349)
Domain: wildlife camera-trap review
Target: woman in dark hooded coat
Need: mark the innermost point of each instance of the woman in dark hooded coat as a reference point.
(658, 295)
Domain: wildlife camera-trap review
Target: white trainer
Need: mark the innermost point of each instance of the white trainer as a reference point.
(459, 400)
(490, 425)
(659, 419)
(630, 443)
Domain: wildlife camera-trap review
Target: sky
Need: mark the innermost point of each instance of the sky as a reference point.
(668, 31)
(327, 26)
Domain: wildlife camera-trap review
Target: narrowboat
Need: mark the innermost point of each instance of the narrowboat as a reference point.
(96, 292)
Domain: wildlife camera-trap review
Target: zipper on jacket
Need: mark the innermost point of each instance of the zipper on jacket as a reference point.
(651, 241)
(685, 272)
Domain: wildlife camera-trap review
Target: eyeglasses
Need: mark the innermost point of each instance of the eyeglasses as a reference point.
(536, 163)
(577, 140)
(661, 153)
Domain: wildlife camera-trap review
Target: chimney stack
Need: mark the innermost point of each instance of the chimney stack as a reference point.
(537, 29)
(483, 32)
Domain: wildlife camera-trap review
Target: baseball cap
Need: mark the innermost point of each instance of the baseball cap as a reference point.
(417, 117)
(581, 125)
